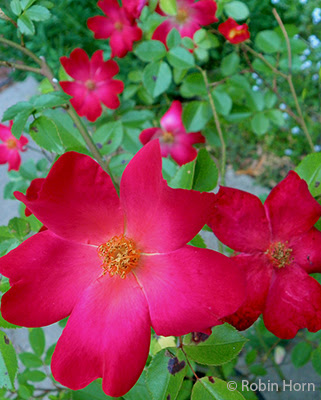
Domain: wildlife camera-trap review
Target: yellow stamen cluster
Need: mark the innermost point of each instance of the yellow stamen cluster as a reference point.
(168, 137)
(11, 143)
(236, 32)
(280, 254)
(182, 15)
(90, 84)
(119, 256)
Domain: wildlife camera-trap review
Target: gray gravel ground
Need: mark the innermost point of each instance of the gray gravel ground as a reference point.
(9, 208)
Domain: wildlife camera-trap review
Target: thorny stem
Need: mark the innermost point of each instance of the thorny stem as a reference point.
(22, 67)
(290, 81)
(181, 346)
(218, 127)
(262, 58)
(266, 348)
(6, 18)
(22, 49)
(47, 73)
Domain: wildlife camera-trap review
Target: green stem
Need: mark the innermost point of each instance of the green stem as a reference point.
(290, 81)
(266, 348)
(22, 67)
(262, 58)
(218, 127)
(22, 49)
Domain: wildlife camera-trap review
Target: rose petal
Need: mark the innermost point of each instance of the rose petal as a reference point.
(5, 133)
(190, 289)
(162, 31)
(158, 218)
(107, 335)
(14, 160)
(172, 119)
(306, 250)
(77, 65)
(101, 70)
(4, 154)
(183, 154)
(290, 208)
(101, 26)
(239, 221)
(78, 201)
(147, 134)
(107, 93)
(47, 275)
(258, 274)
(293, 303)
(205, 11)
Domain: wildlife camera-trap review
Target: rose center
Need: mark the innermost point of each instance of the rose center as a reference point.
(118, 26)
(168, 137)
(236, 32)
(90, 84)
(182, 15)
(11, 143)
(119, 256)
(280, 254)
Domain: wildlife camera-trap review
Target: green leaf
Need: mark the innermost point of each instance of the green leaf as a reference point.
(251, 357)
(45, 133)
(49, 354)
(19, 228)
(276, 117)
(193, 85)
(222, 101)
(268, 41)
(110, 136)
(310, 170)
(209, 388)
(25, 25)
(301, 354)
(8, 362)
(119, 162)
(37, 340)
(196, 114)
(198, 241)
(256, 100)
(206, 172)
(15, 7)
(5, 324)
(258, 369)
(93, 391)
(188, 43)
(28, 170)
(139, 391)
(173, 39)
(150, 50)
(30, 360)
(162, 379)
(38, 13)
(33, 376)
(222, 346)
(168, 6)
(19, 123)
(184, 177)
(270, 99)
(49, 100)
(230, 64)
(26, 3)
(237, 10)
(316, 360)
(157, 77)
(260, 123)
(22, 106)
(179, 57)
